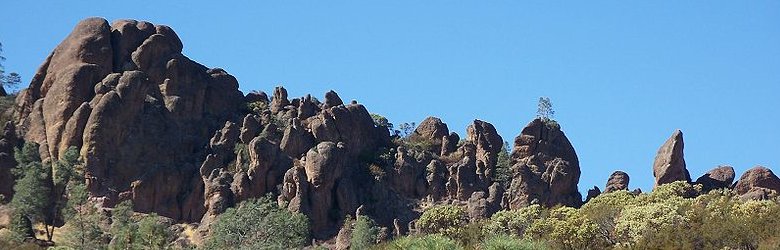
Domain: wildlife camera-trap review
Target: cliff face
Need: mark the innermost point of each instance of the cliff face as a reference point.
(139, 110)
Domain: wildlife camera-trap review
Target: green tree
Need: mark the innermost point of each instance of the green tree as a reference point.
(152, 233)
(258, 224)
(427, 242)
(364, 234)
(504, 167)
(84, 220)
(31, 201)
(545, 110)
(10, 81)
(123, 227)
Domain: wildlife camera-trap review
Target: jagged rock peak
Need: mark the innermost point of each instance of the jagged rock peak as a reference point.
(546, 167)
(618, 180)
(669, 165)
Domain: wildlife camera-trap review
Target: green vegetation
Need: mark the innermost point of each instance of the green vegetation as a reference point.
(258, 224)
(10, 81)
(447, 220)
(32, 200)
(430, 241)
(365, 233)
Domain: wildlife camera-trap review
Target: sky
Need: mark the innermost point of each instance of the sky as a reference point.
(622, 75)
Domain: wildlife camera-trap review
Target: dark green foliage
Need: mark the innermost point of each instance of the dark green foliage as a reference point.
(9, 81)
(152, 233)
(258, 224)
(32, 199)
(123, 228)
(364, 233)
(503, 167)
(382, 122)
(84, 220)
(545, 110)
(242, 158)
(405, 129)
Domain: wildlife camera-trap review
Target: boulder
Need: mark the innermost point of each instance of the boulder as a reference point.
(758, 182)
(332, 99)
(717, 178)
(618, 180)
(487, 144)
(430, 132)
(669, 165)
(546, 168)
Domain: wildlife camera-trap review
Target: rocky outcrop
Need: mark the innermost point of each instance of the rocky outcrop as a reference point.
(592, 193)
(669, 165)
(8, 141)
(618, 180)
(546, 168)
(140, 111)
(717, 178)
(430, 132)
(758, 183)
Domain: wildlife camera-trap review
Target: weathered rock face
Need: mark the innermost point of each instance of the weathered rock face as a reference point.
(592, 193)
(431, 130)
(546, 167)
(8, 141)
(717, 178)
(669, 165)
(140, 111)
(758, 183)
(618, 180)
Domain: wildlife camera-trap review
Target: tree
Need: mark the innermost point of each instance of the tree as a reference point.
(7, 81)
(503, 167)
(258, 224)
(84, 220)
(545, 110)
(152, 234)
(31, 200)
(382, 122)
(123, 228)
(405, 129)
(364, 234)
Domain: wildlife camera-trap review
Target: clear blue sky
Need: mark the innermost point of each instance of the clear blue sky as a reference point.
(622, 75)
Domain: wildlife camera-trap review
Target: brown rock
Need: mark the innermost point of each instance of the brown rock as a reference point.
(279, 100)
(430, 131)
(488, 143)
(332, 99)
(757, 182)
(546, 167)
(141, 129)
(296, 140)
(449, 143)
(669, 165)
(617, 181)
(592, 193)
(250, 128)
(717, 178)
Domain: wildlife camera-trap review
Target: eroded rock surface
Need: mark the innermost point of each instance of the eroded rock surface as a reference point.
(669, 165)
(758, 183)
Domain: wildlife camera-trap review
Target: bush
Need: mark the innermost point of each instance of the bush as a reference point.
(513, 222)
(258, 224)
(565, 228)
(604, 211)
(448, 220)
(364, 234)
(509, 242)
(427, 242)
(654, 225)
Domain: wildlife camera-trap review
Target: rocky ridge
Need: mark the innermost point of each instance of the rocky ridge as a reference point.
(179, 139)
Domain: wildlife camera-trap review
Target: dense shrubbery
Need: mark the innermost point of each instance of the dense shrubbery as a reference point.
(447, 220)
(258, 224)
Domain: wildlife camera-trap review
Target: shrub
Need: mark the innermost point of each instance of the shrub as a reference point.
(513, 222)
(427, 242)
(604, 211)
(564, 228)
(364, 233)
(510, 242)
(654, 225)
(258, 224)
(445, 219)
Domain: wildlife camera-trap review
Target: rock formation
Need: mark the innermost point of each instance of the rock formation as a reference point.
(717, 178)
(669, 165)
(139, 110)
(618, 180)
(546, 168)
(758, 183)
